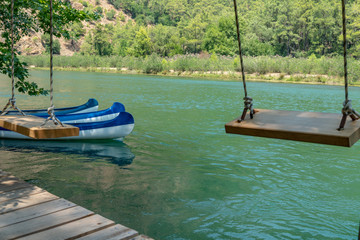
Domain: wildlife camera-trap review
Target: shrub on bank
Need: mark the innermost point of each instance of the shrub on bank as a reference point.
(206, 62)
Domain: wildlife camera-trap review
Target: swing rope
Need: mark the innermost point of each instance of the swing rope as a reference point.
(50, 110)
(12, 101)
(347, 109)
(248, 101)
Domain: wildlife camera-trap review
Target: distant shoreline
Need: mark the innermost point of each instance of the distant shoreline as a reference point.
(218, 75)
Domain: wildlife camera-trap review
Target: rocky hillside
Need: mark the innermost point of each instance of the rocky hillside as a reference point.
(34, 44)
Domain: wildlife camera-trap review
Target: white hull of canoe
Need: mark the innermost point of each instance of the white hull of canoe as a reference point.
(114, 132)
(87, 110)
(93, 119)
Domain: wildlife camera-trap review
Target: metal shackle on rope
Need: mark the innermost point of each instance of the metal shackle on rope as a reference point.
(347, 109)
(52, 117)
(50, 110)
(248, 105)
(12, 101)
(248, 101)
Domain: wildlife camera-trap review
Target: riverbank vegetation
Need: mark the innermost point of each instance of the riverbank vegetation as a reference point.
(298, 28)
(21, 18)
(285, 69)
(283, 38)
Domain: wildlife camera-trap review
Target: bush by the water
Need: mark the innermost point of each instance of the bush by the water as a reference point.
(205, 63)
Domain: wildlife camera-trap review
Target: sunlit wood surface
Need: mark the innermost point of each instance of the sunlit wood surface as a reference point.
(311, 127)
(31, 126)
(29, 212)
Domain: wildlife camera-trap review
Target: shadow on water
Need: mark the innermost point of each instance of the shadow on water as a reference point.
(113, 151)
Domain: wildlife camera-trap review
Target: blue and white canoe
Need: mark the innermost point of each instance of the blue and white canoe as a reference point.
(111, 123)
(91, 105)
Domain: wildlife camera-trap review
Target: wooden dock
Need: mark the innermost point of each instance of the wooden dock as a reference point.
(29, 212)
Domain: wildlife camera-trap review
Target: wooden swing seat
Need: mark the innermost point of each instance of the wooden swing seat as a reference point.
(311, 127)
(31, 126)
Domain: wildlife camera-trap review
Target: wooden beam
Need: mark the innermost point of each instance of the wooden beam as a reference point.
(29, 212)
(42, 223)
(311, 127)
(18, 193)
(35, 211)
(31, 126)
(73, 230)
(9, 183)
(15, 204)
(115, 232)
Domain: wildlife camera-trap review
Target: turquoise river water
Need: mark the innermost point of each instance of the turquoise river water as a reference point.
(179, 176)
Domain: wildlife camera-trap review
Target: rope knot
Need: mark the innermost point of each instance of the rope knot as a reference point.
(12, 101)
(52, 117)
(12, 104)
(248, 103)
(347, 108)
(50, 110)
(349, 111)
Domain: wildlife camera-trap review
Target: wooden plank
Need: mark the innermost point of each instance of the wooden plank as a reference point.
(31, 126)
(15, 204)
(44, 222)
(29, 212)
(10, 183)
(111, 233)
(74, 229)
(35, 211)
(18, 193)
(311, 127)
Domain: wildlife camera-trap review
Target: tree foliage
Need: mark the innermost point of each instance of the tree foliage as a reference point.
(268, 27)
(32, 16)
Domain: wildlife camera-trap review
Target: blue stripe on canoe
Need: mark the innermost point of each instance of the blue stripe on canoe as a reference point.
(63, 111)
(123, 118)
(90, 103)
(115, 108)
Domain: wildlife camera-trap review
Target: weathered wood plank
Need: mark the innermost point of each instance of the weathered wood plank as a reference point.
(18, 193)
(9, 183)
(15, 204)
(111, 233)
(29, 212)
(44, 222)
(311, 127)
(35, 211)
(73, 230)
(31, 126)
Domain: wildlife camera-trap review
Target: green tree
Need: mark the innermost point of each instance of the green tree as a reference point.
(142, 45)
(165, 40)
(326, 27)
(353, 33)
(285, 36)
(45, 40)
(32, 16)
(220, 38)
(98, 41)
(194, 33)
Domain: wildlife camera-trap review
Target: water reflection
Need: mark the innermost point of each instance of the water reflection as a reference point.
(113, 151)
